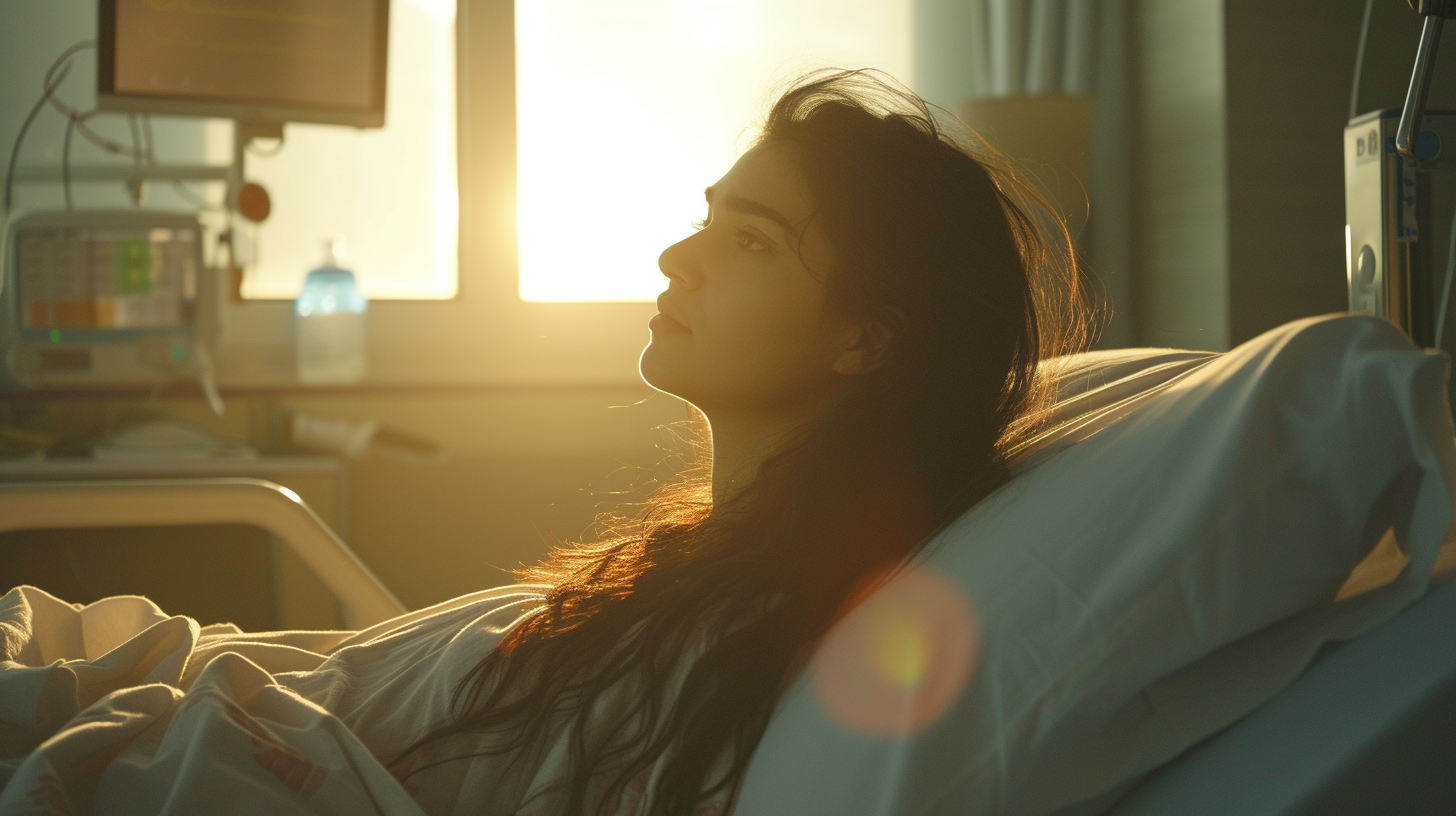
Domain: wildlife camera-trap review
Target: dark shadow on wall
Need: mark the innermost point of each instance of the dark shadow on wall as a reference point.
(1289, 71)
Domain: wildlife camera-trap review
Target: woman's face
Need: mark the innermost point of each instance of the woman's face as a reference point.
(744, 325)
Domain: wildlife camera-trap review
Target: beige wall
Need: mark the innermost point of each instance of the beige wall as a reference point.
(1180, 216)
(522, 468)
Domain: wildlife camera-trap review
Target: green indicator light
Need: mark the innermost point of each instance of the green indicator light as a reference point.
(55, 335)
(134, 267)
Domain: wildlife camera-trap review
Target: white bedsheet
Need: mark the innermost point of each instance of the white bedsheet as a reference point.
(119, 708)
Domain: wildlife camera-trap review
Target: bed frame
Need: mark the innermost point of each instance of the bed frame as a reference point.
(363, 599)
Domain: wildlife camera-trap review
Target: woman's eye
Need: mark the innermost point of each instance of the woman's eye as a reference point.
(746, 241)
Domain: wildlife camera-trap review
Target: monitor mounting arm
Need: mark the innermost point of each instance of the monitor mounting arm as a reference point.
(244, 132)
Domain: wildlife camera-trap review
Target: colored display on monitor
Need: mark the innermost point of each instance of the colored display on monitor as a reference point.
(106, 278)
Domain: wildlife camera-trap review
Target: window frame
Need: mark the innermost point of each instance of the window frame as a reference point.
(486, 334)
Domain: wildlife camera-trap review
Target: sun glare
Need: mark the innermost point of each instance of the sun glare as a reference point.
(626, 110)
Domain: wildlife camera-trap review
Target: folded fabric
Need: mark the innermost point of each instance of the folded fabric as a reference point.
(117, 708)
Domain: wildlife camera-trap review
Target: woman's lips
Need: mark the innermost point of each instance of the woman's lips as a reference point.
(662, 323)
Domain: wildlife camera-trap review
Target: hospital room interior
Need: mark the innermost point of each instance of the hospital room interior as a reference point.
(318, 313)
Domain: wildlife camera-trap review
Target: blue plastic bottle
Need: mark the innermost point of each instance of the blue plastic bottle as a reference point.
(329, 319)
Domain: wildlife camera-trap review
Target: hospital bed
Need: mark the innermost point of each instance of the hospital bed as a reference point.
(1369, 728)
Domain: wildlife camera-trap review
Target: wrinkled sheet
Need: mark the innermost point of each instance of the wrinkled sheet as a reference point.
(119, 708)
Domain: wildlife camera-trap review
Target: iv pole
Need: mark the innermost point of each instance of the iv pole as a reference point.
(1408, 134)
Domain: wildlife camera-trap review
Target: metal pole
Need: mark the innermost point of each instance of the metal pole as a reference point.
(127, 172)
(1409, 128)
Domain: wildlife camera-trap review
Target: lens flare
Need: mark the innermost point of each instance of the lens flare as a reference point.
(898, 661)
(902, 650)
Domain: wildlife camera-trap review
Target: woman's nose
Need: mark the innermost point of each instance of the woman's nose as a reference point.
(678, 263)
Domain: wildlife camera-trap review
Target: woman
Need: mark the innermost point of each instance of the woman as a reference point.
(859, 319)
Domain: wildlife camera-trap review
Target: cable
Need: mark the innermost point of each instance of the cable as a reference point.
(149, 149)
(65, 109)
(50, 88)
(1360, 59)
(207, 377)
(109, 145)
(193, 198)
(136, 137)
(67, 54)
(135, 187)
(66, 161)
(100, 141)
(1446, 290)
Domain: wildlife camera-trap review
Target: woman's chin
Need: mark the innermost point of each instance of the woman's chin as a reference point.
(653, 369)
(670, 368)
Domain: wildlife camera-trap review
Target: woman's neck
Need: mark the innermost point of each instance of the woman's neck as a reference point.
(743, 442)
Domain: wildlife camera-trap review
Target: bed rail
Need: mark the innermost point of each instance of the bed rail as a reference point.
(146, 502)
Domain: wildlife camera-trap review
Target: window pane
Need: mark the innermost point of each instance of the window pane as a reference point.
(390, 193)
(627, 109)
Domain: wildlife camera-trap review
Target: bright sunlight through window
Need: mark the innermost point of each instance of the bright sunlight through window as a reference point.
(390, 193)
(627, 109)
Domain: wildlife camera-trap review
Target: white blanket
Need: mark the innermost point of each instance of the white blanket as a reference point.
(119, 708)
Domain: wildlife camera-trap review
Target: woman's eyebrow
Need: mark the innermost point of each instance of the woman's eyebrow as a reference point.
(738, 203)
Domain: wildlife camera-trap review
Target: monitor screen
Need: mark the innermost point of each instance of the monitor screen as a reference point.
(317, 61)
(83, 280)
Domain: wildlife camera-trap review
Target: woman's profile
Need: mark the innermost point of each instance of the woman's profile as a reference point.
(859, 320)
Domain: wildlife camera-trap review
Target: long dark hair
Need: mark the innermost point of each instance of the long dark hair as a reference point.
(936, 236)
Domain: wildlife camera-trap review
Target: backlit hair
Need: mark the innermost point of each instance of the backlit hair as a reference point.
(937, 236)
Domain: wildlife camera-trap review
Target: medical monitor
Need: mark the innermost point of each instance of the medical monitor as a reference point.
(102, 297)
(260, 61)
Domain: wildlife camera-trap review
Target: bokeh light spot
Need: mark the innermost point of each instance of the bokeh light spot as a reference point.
(902, 649)
(899, 659)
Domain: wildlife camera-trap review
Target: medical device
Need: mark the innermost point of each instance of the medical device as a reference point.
(1394, 211)
(1391, 234)
(318, 61)
(105, 298)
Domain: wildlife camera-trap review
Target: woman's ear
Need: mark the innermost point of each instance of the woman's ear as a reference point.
(870, 344)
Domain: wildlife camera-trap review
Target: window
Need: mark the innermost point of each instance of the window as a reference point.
(557, 290)
(643, 103)
(390, 193)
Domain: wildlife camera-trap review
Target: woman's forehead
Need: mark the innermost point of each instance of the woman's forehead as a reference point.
(768, 174)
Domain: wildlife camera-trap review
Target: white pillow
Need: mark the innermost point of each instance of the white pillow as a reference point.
(1166, 560)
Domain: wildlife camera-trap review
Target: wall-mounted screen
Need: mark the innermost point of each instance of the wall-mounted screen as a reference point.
(320, 61)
